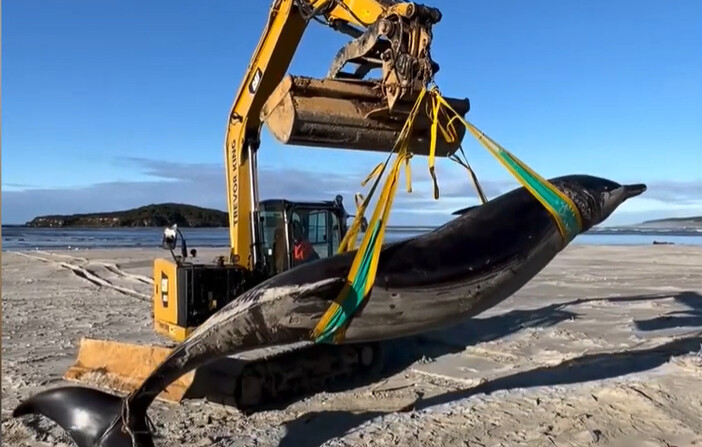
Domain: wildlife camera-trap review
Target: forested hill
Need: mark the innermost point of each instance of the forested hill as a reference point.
(155, 215)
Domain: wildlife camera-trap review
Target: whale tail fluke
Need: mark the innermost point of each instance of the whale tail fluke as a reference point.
(91, 417)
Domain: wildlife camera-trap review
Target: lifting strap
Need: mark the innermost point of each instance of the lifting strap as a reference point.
(332, 326)
(559, 205)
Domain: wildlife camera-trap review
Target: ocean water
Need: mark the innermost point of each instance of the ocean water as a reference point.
(24, 238)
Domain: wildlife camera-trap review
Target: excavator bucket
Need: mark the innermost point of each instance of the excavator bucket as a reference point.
(351, 114)
(122, 367)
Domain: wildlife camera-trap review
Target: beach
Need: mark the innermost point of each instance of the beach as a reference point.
(602, 348)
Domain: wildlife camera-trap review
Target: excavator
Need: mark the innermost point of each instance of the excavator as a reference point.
(345, 110)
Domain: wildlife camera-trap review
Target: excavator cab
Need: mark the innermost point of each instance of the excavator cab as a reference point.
(298, 232)
(187, 292)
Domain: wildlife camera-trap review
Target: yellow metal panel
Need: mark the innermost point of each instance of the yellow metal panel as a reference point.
(172, 331)
(165, 298)
(267, 67)
(123, 367)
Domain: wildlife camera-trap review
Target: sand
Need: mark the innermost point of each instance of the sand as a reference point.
(603, 348)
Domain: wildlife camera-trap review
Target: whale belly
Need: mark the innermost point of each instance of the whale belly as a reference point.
(401, 312)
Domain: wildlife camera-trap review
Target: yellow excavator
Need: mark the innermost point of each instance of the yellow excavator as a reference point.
(345, 110)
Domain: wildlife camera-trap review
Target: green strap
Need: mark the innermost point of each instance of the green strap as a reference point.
(354, 297)
(560, 209)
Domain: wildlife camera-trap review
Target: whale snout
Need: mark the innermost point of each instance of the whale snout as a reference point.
(634, 190)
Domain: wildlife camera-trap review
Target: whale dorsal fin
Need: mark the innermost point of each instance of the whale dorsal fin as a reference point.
(464, 210)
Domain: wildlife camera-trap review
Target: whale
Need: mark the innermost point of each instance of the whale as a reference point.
(460, 269)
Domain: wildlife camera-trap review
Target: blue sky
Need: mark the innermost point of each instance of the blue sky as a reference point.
(110, 105)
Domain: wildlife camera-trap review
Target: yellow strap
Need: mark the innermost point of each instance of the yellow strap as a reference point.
(448, 132)
(348, 243)
(491, 145)
(359, 199)
(380, 217)
(375, 172)
(349, 240)
(360, 281)
(496, 150)
(408, 173)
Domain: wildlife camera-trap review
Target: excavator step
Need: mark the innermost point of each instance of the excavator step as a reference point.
(351, 114)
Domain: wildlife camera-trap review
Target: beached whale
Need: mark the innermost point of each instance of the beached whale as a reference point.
(424, 283)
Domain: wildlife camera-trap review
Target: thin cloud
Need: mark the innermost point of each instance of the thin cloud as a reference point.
(204, 185)
(300, 184)
(303, 184)
(17, 185)
(689, 192)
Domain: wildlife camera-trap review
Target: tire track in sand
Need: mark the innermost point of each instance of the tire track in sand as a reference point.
(90, 275)
(112, 267)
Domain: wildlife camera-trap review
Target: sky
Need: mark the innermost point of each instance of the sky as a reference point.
(111, 105)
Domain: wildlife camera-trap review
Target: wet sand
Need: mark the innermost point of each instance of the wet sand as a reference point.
(602, 348)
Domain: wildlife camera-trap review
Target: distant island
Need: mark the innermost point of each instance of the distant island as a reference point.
(189, 216)
(677, 222)
(154, 215)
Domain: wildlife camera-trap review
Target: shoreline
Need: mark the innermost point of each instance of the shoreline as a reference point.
(26, 238)
(661, 241)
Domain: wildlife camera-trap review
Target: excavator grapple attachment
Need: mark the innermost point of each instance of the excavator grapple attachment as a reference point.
(351, 114)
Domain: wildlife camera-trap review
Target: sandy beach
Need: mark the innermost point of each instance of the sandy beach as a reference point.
(602, 348)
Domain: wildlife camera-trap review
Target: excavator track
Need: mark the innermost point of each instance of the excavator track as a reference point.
(261, 379)
(278, 379)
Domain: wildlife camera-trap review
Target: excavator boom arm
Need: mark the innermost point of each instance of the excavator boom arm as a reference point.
(403, 58)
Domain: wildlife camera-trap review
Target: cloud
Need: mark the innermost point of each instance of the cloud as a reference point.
(689, 192)
(663, 198)
(204, 185)
(17, 186)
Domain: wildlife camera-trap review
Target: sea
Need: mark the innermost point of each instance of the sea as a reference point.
(15, 238)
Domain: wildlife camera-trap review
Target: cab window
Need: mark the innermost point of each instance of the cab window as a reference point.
(318, 232)
(274, 242)
(335, 232)
(317, 228)
(272, 223)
